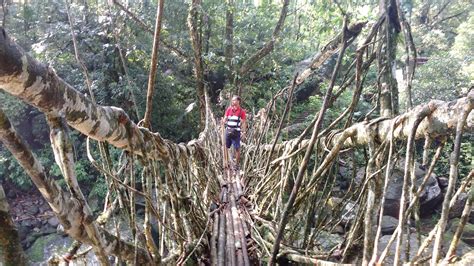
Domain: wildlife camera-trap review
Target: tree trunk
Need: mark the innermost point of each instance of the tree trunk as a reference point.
(153, 65)
(11, 252)
(388, 90)
(195, 30)
(38, 85)
(65, 207)
(229, 39)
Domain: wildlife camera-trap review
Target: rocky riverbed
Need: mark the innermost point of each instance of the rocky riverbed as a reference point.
(38, 227)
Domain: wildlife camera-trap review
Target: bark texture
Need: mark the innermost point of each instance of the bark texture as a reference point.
(185, 177)
(68, 210)
(153, 65)
(11, 252)
(388, 89)
(440, 122)
(38, 85)
(195, 28)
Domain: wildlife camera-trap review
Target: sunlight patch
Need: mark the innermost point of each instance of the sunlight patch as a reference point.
(190, 107)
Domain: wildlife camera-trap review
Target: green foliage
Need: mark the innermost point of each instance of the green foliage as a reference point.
(11, 170)
(463, 48)
(442, 34)
(440, 78)
(466, 158)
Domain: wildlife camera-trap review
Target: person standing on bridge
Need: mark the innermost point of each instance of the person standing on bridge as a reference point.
(234, 120)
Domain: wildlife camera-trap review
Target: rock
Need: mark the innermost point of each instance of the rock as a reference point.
(48, 230)
(349, 209)
(458, 207)
(32, 210)
(45, 246)
(338, 230)
(349, 213)
(327, 241)
(467, 259)
(345, 172)
(11, 194)
(467, 234)
(389, 259)
(443, 181)
(140, 212)
(53, 221)
(94, 202)
(139, 202)
(360, 176)
(389, 224)
(44, 208)
(430, 197)
(37, 223)
(471, 216)
(344, 184)
(23, 231)
(27, 224)
(30, 239)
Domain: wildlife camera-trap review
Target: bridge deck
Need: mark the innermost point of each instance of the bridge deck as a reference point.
(230, 233)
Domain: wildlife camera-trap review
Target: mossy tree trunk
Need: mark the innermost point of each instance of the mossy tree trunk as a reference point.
(11, 252)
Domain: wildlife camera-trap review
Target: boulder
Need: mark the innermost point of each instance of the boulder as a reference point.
(338, 229)
(443, 181)
(53, 222)
(471, 216)
(430, 197)
(467, 234)
(389, 224)
(389, 260)
(327, 241)
(11, 194)
(349, 209)
(27, 224)
(32, 210)
(44, 208)
(467, 259)
(458, 207)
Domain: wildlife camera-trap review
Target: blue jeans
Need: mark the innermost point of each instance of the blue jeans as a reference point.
(232, 140)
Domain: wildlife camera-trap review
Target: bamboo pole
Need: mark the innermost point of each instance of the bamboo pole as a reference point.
(214, 236)
(221, 240)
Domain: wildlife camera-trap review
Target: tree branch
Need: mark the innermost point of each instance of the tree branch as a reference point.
(147, 28)
(441, 122)
(153, 65)
(331, 48)
(11, 252)
(37, 84)
(252, 61)
(194, 24)
(66, 209)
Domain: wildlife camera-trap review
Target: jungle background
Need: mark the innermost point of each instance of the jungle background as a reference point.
(116, 51)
